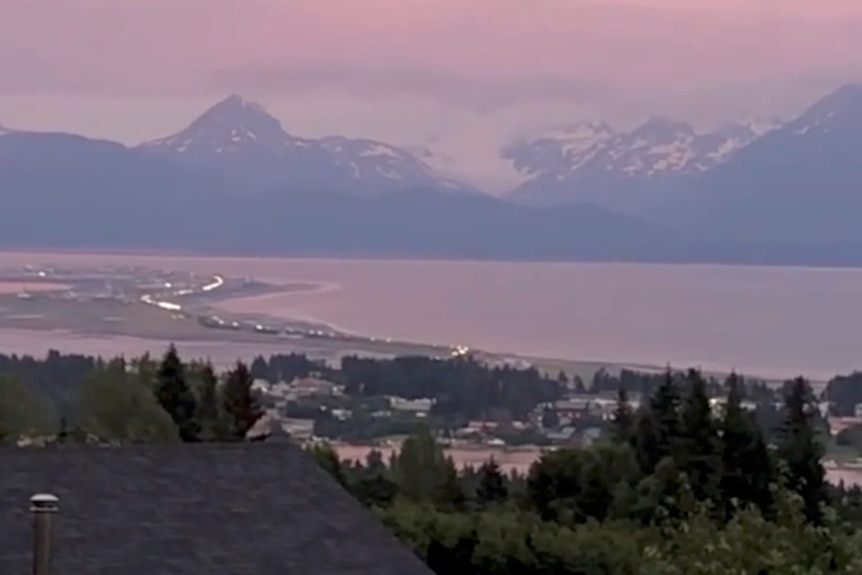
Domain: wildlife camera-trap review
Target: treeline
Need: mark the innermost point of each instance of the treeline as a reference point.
(60, 388)
(463, 387)
(83, 399)
(676, 489)
(470, 388)
(645, 384)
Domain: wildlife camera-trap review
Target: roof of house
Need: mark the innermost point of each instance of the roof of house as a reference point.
(189, 509)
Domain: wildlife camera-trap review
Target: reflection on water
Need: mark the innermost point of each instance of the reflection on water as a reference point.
(771, 321)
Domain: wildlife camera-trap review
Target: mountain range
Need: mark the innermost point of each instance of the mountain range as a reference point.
(235, 180)
(594, 162)
(247, 145)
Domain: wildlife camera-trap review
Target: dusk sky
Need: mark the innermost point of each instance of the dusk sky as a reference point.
(461, 75)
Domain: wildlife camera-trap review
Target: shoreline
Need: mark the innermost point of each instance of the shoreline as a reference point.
(317, 286)
(394, 257)
(35, 286)
(233, 303)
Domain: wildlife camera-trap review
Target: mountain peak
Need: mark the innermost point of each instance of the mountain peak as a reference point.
(847, 92)
(840, 109)
(661, 127)
(237, 112)
(845, 97)
(230, 125)
(239, 139)
(237, 102)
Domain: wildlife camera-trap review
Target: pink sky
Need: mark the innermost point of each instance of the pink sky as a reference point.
(418, 69)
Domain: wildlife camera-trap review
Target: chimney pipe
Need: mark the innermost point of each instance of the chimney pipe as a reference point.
(43, 506)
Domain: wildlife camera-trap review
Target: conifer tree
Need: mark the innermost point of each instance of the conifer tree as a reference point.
(239, 403)
(448, 494)
(208, 413)
(700, 450)
(624, 418)
(175, 396)
(658, 427)
(747, 466)
(492, 487)
(801, 450)
(420, 466)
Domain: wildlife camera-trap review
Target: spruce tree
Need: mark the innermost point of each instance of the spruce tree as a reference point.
(239, 403)
(624, 418)
(420, 467)
(373, 485)
(658, 427)
(448, 494)
(492, 487)
(700, 450)
(747, 467)
(801, 450)
(175, 396)
(208, 413)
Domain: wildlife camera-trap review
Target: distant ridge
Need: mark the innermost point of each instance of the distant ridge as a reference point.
(234, 181)
(241, 140)
(593, 162)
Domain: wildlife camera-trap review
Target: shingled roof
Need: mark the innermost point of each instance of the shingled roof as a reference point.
(232, 509)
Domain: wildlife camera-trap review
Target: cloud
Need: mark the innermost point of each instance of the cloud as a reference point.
(480, 91)
(450, 49)
(463, 75)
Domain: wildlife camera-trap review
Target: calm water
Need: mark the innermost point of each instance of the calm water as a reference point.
(770, 321)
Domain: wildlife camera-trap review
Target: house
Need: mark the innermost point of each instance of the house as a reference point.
(416, 406)
(573, 409)
(311, 386)
(208, 509)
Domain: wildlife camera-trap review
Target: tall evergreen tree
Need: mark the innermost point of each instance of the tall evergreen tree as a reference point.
(259, 368)
(747, 470)
(239, 403)
(659, 426)
(420, 466)
(373, 485)
(801, 450)
(624, 418)
(700, 450)
(448, 494)
(492, 488)
(175, 396)
(208, 412)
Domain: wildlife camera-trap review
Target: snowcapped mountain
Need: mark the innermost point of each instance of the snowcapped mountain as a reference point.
(799, 183)
(587, 161)
(243, 141)
(570, 146)
(369, 160)
(839, 112)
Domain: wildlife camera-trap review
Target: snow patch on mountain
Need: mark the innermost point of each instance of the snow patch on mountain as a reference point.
(656, 148)
(838, 111)
(244, 141)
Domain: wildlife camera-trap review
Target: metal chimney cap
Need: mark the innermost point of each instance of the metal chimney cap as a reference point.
(44, 502)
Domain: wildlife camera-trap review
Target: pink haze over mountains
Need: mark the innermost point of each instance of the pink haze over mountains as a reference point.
(453, 74)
